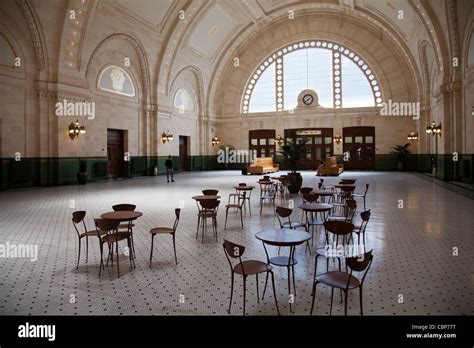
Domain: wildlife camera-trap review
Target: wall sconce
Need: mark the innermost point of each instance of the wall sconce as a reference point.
(76, 129)
(338, 139)
(215, 141)
(412, 136)
(434, 129)
(279, 140)
(166, 137)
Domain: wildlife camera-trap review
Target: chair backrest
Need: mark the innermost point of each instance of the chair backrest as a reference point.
(107, 225)
(360, 263)
(365, 216)
(242, 202)
(366, 189)
(339, 228)
(177, 212)
(310, 197)
(78, 217)
(347, 189)
(210, 192)
(233, 250)
(347, 181)
(124, 207)
(283, 212)
(242, 184)
(209, 204)
(266, 177)
(304, 190)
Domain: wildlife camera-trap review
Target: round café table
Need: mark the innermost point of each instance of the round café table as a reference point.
(284, 237)
(203, 198)
(313, 209)
(248, 189)
(128, 216)
(324, 193)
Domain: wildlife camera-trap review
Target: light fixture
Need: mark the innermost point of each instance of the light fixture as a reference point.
(338, 138)
(215, 141)
(412, 136)
(279, 140)
(75, 129)
(434, 129)
(166, 137)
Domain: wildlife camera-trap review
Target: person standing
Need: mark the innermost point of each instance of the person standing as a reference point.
(169, 168)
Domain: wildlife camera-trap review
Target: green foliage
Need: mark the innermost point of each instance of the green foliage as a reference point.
(293, 150)
(401, 151)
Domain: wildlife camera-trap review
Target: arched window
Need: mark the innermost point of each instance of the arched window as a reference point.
(338, 75)
(183, 100)
(114, 79)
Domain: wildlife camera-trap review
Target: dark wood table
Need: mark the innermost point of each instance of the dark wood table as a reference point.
(204, 197)
(324, 193)
(247, 197)
(284, 237)
(123, 215)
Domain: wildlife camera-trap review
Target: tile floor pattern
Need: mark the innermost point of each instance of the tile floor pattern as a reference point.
(413, 251)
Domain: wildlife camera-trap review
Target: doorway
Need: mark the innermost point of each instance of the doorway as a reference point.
(319, 146)
(183, 153)
(359, 144)
(115, 153)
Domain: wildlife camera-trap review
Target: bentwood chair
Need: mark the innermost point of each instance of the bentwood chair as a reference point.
(107, 231)
(363, 195)
(303, 191)
(365, 216)
(345, 281)
(237, 196)
(339, 229)
(285, 213)
(77, 218)
(238, 206)
(210, 192)
(348, 212)
(246, 268)
(208, 210)
(128, 225)
(166, 230)
(268, 196)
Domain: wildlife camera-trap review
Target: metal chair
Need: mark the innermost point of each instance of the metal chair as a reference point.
(349, 212)
(345, 281)
(365, 216)
(112, 236)
(268, 196)
(208, 210)
(77, 218)
(129, 225)
(238, 206)
(246, 268)
(363, 195)
(166, 230)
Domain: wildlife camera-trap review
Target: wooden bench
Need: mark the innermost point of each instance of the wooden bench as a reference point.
(263, 165)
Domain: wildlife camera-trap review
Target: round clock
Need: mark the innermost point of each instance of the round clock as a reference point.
(308, 99)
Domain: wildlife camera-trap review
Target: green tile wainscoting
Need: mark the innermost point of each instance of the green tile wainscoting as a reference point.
(31, 172)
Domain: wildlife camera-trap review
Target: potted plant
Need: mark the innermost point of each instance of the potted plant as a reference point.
(293, 151)
(401, 151)
(82, 175)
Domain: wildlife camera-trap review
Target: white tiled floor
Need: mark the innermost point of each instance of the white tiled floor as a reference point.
(413, 251)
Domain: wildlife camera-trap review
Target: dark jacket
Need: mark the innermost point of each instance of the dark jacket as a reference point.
(169, 164)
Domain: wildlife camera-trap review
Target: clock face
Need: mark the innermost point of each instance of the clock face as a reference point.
(308, 99)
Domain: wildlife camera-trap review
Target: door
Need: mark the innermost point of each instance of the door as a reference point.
(115, 153)
(319, 146)
(262, 141)
(359, 145)
(183, 153)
